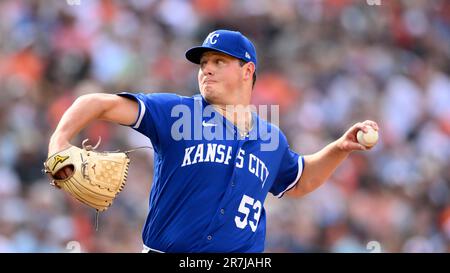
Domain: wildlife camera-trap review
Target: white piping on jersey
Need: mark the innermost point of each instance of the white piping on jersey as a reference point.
(299, 173)
(146, 249)
(141, 114)
(205, 124)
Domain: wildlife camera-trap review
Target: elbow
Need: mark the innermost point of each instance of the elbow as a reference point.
(304, 187)
(295, 193)
(299, 190)
(313, 184)
(88, 99)
(92, 100)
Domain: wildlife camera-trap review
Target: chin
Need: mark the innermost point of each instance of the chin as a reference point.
(209, 93)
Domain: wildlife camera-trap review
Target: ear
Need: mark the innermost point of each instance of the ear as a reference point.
(249, 69)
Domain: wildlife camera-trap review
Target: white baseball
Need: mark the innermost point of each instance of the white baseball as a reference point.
(367, 139)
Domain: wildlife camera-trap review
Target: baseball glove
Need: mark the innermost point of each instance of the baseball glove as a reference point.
(97, 177)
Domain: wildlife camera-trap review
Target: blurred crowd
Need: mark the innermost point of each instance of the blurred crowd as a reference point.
(326, 63)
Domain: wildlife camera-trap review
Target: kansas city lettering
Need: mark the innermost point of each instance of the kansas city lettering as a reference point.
(221, 154)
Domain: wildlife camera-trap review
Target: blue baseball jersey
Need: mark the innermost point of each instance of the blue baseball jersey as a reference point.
(208, 193)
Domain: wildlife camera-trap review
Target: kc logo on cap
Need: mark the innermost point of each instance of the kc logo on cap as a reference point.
(232, 43)
(212, 38)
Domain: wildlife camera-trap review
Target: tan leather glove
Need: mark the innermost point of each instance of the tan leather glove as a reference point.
(97, 177)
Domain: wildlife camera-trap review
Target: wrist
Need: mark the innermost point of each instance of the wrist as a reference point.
(57, 144)
(339, 147)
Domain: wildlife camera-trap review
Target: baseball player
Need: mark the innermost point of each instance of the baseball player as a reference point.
(208, 192)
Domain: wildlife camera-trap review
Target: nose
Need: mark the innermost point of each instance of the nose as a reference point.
(207, 68)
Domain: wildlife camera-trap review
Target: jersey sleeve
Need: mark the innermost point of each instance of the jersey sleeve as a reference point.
(154, 115)
(290, 170)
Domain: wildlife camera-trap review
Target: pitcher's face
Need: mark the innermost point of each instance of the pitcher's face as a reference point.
(218, 76)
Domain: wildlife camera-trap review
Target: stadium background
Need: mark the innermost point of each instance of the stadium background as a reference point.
(327, 63)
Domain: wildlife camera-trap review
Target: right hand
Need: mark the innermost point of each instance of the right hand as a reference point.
(64, 173)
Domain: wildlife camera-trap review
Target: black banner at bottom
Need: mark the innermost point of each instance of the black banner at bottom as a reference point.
(266, 262)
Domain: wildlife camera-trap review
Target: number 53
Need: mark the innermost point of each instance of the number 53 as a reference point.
(256, 206)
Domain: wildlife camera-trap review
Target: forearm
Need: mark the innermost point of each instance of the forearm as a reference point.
(77, 117)
(87, 108)
(319, 167)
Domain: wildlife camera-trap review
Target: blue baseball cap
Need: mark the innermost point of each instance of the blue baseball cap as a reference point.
(232, 43)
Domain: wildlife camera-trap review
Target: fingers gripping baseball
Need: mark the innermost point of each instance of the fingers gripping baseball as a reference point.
(368, 136)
